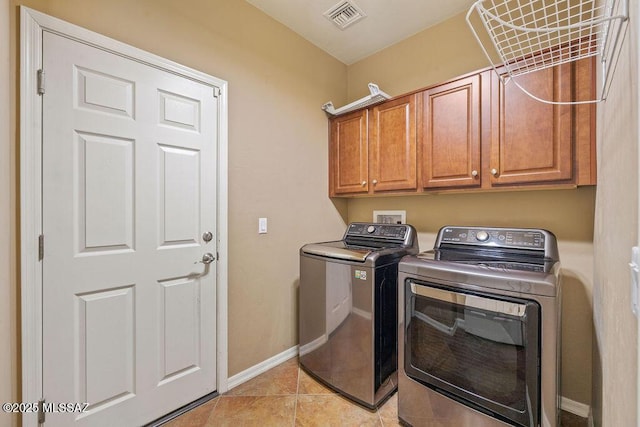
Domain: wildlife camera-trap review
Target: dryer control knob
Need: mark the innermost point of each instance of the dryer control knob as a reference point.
(482, 236)
(371, 229)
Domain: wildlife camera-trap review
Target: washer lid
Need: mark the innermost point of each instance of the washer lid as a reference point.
(337, 250)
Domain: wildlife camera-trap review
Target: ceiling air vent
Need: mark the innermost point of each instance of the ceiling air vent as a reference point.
(344, 14)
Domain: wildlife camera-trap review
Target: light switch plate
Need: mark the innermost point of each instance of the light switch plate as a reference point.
(262, 225)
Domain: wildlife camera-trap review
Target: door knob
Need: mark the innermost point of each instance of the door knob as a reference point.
(494, 172)
(208, 258)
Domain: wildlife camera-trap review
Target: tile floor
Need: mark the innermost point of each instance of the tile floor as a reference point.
(287, 396)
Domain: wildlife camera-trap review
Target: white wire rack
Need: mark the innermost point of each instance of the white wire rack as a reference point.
(375, 96)
(530, 35)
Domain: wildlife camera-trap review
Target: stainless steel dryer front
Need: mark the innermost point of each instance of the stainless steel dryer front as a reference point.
(348, 309)
(479, 330)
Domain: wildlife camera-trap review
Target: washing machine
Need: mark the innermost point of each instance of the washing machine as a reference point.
(348, 308)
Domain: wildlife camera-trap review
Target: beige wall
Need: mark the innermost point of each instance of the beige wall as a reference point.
(8, 300)
(445, 51)
(277, 149)
(616, 232)
(439, 53)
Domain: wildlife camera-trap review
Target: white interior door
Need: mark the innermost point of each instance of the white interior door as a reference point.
(129, 170)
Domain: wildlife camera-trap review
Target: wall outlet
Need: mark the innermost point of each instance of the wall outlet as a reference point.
(262, 225)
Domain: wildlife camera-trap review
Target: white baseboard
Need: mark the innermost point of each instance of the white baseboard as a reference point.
(309, 347)
(362, 313)
(261, 367)
(576, 408)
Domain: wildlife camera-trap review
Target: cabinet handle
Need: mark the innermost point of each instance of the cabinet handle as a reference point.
(364, 183)
(375, 181)
(474, 173)
(494, 172)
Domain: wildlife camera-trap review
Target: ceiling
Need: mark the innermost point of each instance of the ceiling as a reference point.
(386, 22)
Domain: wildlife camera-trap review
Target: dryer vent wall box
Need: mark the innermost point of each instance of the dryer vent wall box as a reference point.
(390, 217)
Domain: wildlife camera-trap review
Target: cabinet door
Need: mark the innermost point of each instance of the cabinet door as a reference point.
(584, 121)
(392, 141)
(531, 141)
(348, 154)
(450, 134)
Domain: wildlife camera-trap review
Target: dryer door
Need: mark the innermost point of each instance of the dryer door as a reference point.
(481, 350)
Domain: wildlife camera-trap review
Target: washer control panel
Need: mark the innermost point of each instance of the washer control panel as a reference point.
(386, 231)
(495, 237)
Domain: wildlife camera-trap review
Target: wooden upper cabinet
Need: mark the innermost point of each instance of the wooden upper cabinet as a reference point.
(531, 141)
(473, 132)
(449, 134)
(349, 154)
(392, 145)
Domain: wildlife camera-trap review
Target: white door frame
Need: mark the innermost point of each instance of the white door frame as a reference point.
(32, 26)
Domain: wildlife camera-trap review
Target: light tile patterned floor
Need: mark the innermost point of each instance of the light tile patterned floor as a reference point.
(287, 396)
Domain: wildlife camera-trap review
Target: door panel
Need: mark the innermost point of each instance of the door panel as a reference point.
(129, 155)
(179, 111)
(106, 337)
(180, 332)
(104, 192)
(179, 194)
(103, 92)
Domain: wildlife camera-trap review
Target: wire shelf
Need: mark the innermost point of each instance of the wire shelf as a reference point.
(531, 35)
(375, 96)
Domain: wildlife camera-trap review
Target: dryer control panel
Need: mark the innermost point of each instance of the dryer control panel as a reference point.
(531, 239)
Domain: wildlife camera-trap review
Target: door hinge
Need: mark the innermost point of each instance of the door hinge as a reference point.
(41, 415)
(634, 265)
(41, 247)
(217, 92)
(40, 82)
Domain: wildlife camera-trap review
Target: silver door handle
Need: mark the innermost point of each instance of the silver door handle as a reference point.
(473, 301)
(208, 258)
